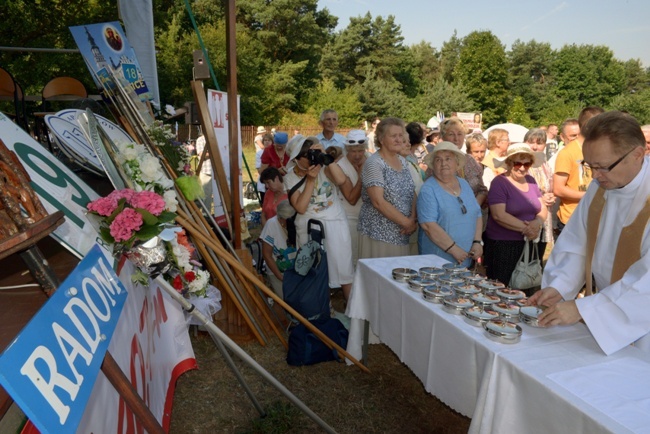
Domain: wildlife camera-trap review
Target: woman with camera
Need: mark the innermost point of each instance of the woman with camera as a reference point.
(312, 182)
(387, 217)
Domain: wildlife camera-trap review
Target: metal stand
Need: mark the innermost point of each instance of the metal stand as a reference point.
(219, 336)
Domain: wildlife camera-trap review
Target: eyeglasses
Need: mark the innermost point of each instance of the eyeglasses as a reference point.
(356, 142)
(608, 168)
(463, 209)
(518, 164)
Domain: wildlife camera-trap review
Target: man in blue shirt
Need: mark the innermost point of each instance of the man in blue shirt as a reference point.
(329, 120)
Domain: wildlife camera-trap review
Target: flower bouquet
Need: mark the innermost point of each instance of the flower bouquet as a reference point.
(179, 159)
(146, 172)
(137, 225)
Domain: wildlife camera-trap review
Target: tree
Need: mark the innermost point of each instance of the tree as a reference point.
(637, 104)
(365, 46)
(344, 101)
(449, 55)
(439, 96)
(587, 74)
(530, 74)
(482, 71)
(45, 25)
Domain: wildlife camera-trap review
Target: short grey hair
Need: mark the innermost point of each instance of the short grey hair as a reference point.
(285, 210)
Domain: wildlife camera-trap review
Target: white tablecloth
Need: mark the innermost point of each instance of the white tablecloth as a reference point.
(503, 388)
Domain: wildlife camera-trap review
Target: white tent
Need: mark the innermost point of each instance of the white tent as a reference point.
(515, 131)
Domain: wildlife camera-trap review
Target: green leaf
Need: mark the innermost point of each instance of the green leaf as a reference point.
(120, 207)
(105, 233)
(147, 217)
(166, 217)
(148, 232)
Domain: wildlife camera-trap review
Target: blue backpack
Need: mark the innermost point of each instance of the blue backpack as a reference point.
(305, 348)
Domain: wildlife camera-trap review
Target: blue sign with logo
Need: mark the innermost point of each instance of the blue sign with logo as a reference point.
(51, 367)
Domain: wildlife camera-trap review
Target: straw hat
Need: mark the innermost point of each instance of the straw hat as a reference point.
(445, 146)
(261, 130)
(520, 148)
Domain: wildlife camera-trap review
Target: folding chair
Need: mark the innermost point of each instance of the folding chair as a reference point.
(10, 90)
(57, 89)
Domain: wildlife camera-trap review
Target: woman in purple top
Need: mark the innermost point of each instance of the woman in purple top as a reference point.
(516, 212)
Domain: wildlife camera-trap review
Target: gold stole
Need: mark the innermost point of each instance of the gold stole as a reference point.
(628, 250)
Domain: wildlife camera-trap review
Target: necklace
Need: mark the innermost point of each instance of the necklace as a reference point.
(448, 188)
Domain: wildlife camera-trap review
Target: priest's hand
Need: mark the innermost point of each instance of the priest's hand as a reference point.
(564, 313)
(545, 297)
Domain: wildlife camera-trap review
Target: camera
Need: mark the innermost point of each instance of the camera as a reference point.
(316, 157)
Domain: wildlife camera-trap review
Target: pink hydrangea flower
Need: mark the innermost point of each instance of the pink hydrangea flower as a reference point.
(125, 225)
(103, 206)
(125, 193)
(148, 200)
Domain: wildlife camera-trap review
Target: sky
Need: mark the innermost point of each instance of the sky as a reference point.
(623, 25)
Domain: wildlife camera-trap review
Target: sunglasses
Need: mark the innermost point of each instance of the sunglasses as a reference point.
(518, 164)
(356, 142)
(463, 209)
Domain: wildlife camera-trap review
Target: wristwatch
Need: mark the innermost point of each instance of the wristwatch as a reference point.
(480, 242)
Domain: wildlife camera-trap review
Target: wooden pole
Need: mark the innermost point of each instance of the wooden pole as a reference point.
(233, 119)
(255, 280)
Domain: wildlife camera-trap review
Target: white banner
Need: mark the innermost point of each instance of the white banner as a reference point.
(152, 347)
(57, 187)
(218, 108)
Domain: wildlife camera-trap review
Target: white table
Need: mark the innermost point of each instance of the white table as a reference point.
(503, 388)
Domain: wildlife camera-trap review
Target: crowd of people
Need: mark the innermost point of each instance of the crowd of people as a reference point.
(399, 190)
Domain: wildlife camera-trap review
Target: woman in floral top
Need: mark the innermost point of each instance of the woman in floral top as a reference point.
(387, 216)
(317, 198)
(453, 130)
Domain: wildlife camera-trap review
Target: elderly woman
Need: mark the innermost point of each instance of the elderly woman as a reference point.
(536, 139)
(450, 219)
(276, 156)
(476, 146)
(313, 193)
(387, 216)
(497, 144)
(453, 130)
(277, 254)
(356, 144)
(517, 211)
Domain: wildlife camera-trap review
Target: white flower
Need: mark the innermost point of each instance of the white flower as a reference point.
(129, 152)
(150, 168)
(200, 283)
(166, 183)
(170, 200)
(182, 256)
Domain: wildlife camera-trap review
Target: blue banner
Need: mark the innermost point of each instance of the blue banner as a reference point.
(51, 367)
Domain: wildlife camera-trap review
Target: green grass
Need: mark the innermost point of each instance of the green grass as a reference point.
(249, 155)
(281, 417)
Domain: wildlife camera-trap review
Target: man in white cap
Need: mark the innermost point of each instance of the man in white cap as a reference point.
(607, 239)
(356, 145)
(329, 120)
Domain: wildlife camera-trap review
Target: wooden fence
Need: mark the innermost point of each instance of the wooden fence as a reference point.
(248, 132)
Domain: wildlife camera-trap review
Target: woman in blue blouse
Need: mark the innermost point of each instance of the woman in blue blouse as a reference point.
(449, 216)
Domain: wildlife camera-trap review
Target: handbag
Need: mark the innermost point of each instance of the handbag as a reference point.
(528, 272)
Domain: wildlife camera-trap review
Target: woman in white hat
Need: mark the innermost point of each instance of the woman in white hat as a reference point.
(259, 137)
(449, 216)
(517, 211)
(316, 197)
(356, 146)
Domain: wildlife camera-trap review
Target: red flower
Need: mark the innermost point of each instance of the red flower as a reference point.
(178, 283)
(190, 276)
